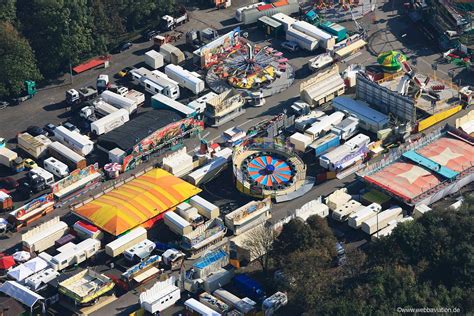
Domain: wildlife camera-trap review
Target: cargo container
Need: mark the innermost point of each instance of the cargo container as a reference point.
(284, 19)
(208, 171)
(6, 202)
(103, 108)
(339, 31)
(172, 54)
(346, 128)
(376, 223)
(239, 11)
(124, 242)
(119, 101)
(72, 159)
(324, 125)
(154, 59)
(136, 96)
(356, 219)
(249, 287)
(300, 141)
(204, 207)
(109, 122)
(342, 213)
(76, 141)
(303, 40)
(44, 236)
(185, 78)
(325, 143)
(177, 224)
(160, 101)
(349, 49)
(36, 147)
(327, 41)
(10, 159)
(227, 297)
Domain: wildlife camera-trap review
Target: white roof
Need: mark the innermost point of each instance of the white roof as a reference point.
(320, 89)
(180, 107)
(158, 290)
(301, 137)
(359, 109)
(200, 308)
(176, 219)
(28, 268)
(153, 53)
(311, 30)
(20, 293)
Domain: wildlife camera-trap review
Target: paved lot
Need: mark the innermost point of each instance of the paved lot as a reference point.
(47, 105)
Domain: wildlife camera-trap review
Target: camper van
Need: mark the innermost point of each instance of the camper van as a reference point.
(56, 167)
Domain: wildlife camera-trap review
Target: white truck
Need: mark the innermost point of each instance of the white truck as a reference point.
(119, 101)
(76, 141)
(303, 40)
(185, 78)
(109, 122)
(376, 223)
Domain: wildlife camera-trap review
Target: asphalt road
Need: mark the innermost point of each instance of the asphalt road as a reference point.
(47, 105)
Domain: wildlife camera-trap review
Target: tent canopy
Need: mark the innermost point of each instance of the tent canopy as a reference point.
(6, 262)
(20, 293)
(137, 201)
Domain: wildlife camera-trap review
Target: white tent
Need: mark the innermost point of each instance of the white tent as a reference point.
(21, 256)
(36, 264)
(19, 273)
(20, 293)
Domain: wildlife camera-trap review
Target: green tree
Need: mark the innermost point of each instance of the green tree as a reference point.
(17, 63)
(8, 11)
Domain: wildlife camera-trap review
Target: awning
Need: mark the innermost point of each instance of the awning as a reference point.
(137, 201)
(20, 293)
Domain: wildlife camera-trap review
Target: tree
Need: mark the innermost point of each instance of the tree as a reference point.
(17, 63)
(8, 11)
(259, 242)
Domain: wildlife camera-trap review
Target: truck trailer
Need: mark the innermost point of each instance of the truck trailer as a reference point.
(10, 159)
(72, 159)
(185, 78)
(303, 40)
(160, 101)
(36, 147)
(325, 143)
(127, 241)
(76, 141)
(376, 223)
(204, 207)
(119, 101)
(44, 236)
(356, 219)
(177, 224)
(326, 40)
(109, 122)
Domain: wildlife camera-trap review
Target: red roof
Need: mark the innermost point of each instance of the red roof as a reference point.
(264, 7)
(280, 3)
(90, 64)
(87, 226)
(6, 262)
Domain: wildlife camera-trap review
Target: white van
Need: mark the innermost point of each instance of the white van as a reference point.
(56, 167)
(40, 172)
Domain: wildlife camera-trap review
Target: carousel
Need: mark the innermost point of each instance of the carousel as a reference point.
(250, 68)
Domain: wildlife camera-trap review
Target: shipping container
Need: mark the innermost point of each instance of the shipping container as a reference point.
(286, 20)
(76, 141)
(185, 78)
(194, 307)
(303, 40)
(325, 143)
(376, 223)
(66, 155)
(177, 224)
(339, 31)
(124, 242)
(172, 54)
(251, 15)
(327, 41)
(154, 59)
(204, 207)
(249, 287)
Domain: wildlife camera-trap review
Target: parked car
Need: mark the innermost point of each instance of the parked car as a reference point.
(124, 46)
(291, 46)
(50, 129)
(9, 183)
(150, 33)
(124, 72)
(36, 130)
(71, 127)
(30, 163)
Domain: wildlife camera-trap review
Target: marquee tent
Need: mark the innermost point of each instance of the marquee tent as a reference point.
(137, 201)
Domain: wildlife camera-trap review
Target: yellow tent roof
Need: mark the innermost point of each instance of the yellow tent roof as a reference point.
(137, 201)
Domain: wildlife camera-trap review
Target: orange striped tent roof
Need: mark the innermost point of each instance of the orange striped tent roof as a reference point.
(137, 201)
